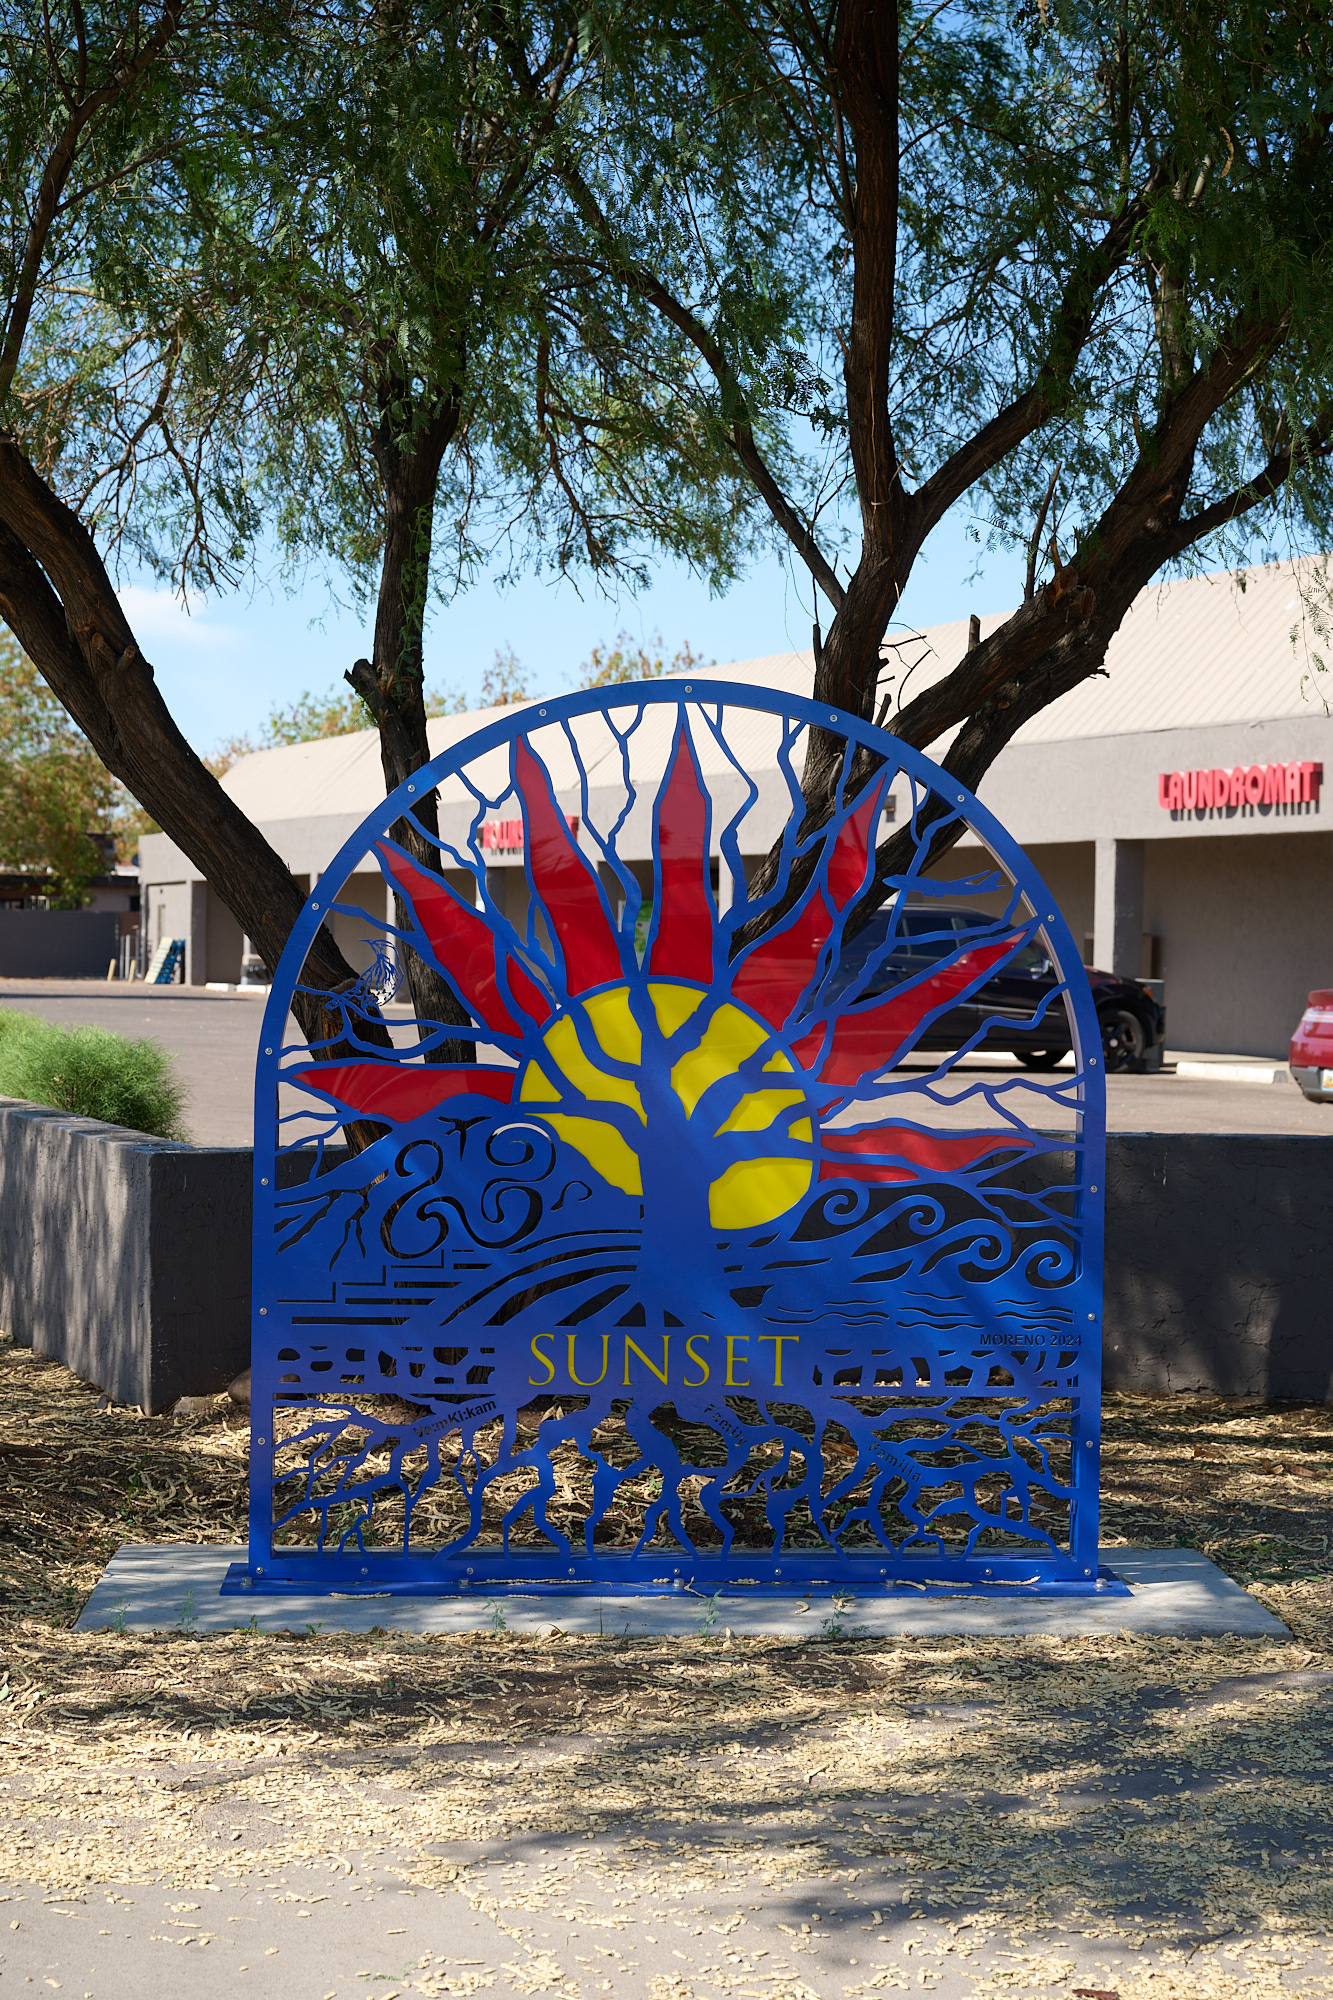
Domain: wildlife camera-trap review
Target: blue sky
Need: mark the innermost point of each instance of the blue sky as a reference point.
(223, 664)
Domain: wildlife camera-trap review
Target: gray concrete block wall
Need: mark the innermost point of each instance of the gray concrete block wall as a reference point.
(1219, 1264)
(128, 1259)
(56, 944)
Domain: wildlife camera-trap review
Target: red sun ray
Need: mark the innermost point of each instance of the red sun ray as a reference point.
(874, 1037)
(398, 1092)
(682, 946)
(466, 947)
(771, 978)
(897, 1153)
(567, 886)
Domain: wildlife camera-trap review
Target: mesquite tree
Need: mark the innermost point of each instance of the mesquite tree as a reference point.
(310, 272)
(97, 106)
(401, 262)
(1075, 271)
(592, 277)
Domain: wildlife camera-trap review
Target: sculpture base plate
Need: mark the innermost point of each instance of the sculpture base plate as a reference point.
(305, 1579)
(1171, 1592)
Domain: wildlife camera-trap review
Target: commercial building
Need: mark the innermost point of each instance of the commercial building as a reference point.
(1174, 805)
(37, 942)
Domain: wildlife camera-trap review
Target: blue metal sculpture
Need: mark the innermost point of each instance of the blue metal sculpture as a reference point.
(698, 1272)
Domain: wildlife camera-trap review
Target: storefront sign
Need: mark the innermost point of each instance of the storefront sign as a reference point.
(1247, 785)
(505, 836)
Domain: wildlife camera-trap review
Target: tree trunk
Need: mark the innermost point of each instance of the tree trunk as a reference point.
(1049, 646)
(56, 597)
(393, 684)
(865, 66)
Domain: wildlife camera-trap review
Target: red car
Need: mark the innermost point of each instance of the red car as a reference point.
(1311, 1053)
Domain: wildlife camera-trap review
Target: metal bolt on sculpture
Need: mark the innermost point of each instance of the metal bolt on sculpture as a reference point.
(685, 1265)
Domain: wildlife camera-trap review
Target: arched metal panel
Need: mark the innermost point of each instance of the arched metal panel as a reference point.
(730, 1245)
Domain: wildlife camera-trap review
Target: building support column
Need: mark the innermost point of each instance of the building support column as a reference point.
(1117, 909)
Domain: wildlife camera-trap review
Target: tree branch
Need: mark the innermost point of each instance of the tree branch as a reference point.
(645, 284)
(57, 598)
(1314, 442)
(55, 174)
(1073, 324)
(1034, 545)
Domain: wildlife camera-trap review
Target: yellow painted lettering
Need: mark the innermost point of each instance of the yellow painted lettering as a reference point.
(697, 1359)
(573, 1376)
(777, 1340)
(540, 1381)
(632, 1346)
(732, 1382)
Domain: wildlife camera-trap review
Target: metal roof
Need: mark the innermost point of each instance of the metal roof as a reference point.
(1237, 646)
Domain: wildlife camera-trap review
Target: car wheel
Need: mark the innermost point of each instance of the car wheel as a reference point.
(1124, 1038)
(1040, 1058)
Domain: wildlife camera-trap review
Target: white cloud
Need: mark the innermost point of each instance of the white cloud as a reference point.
(159, 615)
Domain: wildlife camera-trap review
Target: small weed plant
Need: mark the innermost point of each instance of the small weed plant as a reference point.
(835, 1625)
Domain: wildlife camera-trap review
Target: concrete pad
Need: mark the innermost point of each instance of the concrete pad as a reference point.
(1175, 1592)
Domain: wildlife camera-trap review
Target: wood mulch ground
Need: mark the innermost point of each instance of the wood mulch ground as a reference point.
(1202, 1766)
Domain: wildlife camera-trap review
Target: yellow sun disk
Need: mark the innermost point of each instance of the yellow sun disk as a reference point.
(750, 1192)
(595, 1084)
(757, 1191)
(602, 1147)
(614, 1025)
(759, 1108)
(673, 1004)
(729, 1038)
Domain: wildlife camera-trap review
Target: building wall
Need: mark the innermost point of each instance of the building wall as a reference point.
(1067, 868)
(360, 939)
(168, 907)
(1245, 930)
(223, 940)
(119, 896)
(57, 944)
(1106, 786)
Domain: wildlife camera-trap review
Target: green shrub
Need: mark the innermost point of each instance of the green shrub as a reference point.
(92, 1073)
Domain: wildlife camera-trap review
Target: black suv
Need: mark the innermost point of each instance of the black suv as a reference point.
(1133, 1023)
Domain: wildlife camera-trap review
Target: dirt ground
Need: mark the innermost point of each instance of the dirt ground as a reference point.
(1166, 1799)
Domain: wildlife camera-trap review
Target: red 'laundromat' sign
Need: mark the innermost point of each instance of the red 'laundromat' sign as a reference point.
(1246, 785)
(506, 835)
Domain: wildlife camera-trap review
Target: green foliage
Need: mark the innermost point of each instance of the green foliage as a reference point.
(305, 240)
(506, 680)
(628, 661)
(91, 1073)
(610, 279)
(54, 790)
(402, 256)
(311, 717)
(1208, 124)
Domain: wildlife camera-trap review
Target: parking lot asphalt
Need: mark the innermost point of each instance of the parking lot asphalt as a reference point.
(214, 1037)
